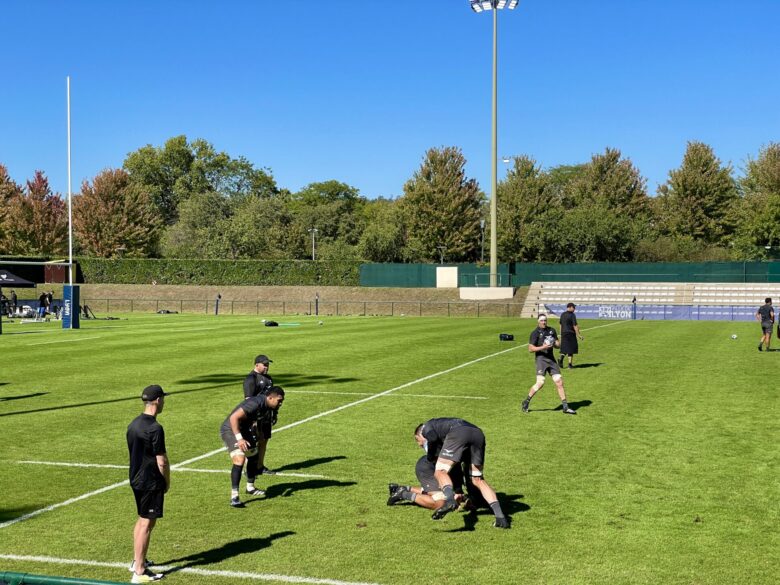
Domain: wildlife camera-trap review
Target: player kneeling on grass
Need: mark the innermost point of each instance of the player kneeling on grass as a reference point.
(543, 340)
(448, 441)
(428, 495)
(238, 434)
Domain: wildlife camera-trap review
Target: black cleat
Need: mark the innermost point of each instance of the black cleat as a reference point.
(237, 503)
(567, 410)
(448, 507)
(255, 492)
(759, 347)
(265, 471)
(501, 523)
(525, 405)
(391, 488)
(396, 496)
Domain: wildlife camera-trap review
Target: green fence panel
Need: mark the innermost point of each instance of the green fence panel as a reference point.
(398, 275)
(7, 578)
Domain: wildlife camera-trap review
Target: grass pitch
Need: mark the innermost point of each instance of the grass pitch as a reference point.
(668, 473)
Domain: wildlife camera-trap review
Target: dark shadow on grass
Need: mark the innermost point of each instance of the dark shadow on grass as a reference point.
(574, 405)
(226, 551)
(583, 366)
(309, 463)
(13, 513)
(21, 396)
(285, 490)
(4, 383)
(510, 505)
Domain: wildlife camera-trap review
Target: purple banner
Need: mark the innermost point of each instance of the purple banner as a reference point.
(660, 312)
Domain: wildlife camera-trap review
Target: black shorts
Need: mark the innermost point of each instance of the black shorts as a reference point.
(766, 326)
(232, 445)
(264, 430)
(464, 441)
(149, 503)
(424, 471)
(544, 365)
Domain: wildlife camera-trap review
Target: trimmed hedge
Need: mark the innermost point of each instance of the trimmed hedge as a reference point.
(219, 272)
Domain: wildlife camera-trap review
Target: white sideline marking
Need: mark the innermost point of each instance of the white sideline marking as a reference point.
(398, 395)
(64, 340)
(191, 570)
(285, 427)
(112, 466)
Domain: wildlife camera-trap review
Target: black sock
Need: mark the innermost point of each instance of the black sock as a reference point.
(251, 468)
(235, 476)
(565, 404)
(496, 507)
(448, 493)
(409, 496)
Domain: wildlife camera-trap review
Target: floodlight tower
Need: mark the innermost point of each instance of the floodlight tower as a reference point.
(495, 6)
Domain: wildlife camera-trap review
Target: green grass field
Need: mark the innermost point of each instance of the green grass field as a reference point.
(668, 474)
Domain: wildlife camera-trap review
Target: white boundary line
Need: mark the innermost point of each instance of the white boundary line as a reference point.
(285, 427)
(397, 395)
(190, 469)
(190, 570)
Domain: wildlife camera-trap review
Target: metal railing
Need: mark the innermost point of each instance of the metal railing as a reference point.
(328, 308)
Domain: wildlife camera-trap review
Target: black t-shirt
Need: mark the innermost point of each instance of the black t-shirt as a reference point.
(539, 336)
(255, 408)
(568, 321)
(145, 440)
(256, 384)
(766, 312)
(436, 430)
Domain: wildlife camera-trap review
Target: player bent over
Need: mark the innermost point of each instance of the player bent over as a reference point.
(240, 440)
(448, 441)
(543, 340)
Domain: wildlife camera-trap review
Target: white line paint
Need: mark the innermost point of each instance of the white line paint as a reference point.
(63, 341)
(187, 570)
(396, 395)
(193, 470)
(289, 426)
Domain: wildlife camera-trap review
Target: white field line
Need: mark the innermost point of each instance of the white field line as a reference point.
(190, 570)
(190, 469)
(285, 427)
(397, 395)
(64, 340)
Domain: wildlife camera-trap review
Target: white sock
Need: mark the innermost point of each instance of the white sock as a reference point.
(233, 493)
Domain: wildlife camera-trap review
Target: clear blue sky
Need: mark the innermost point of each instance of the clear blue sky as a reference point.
(358, 91)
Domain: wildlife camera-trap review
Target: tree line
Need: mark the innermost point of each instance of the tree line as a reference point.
(184, 199)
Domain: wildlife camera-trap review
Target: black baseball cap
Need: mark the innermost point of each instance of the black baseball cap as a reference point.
(152, 393)
(263, 359)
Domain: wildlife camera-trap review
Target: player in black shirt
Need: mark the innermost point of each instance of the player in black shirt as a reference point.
(766, 316)
(428, 494)
(149, 477)
(542, 341)
(257, 382)
(447, 441)
(238, 434)
(570, 332)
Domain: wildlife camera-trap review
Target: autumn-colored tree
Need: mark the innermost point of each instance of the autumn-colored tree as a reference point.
(8, 191)
(112, 216)
(37, 221)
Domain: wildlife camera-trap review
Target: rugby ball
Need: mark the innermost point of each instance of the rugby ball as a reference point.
(733, 336)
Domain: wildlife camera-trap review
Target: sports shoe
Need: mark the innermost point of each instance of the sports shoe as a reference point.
(571, 367)
(146, 577)
(147, 564)
(501, 522)
(265, 471)
(396, 496)
(237, 503)
(759, 347)
(525, 405)
(391, 487)
(448, 507)
(254, 492)
(568, 410)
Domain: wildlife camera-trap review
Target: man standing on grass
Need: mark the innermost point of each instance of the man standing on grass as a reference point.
(543, 340)
(447, 441)
(258, 382)
(766, 316)
(150, 478)
(238, 434)
(570, 332)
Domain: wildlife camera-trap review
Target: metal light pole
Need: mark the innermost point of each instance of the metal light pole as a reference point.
(482, 239)
(495, 6)
(313, 231)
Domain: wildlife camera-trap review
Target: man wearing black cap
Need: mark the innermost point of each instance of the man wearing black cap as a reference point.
(149, 477)
(258, 382)
(570, 332)
(238, 434)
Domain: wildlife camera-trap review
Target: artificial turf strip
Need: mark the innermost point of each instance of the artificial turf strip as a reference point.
(668, 473)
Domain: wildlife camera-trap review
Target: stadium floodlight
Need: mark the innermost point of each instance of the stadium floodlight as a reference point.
(495, 6)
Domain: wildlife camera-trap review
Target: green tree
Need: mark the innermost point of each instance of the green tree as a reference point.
(9, 190)
(442, 208)
(195, 234)
(37, 220)
(383, 238)
(698, 198)
(113, 216)
(334, 208)
(612, 182)
(176, 171)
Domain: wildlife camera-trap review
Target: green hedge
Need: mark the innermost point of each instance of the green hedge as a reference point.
(219, 272)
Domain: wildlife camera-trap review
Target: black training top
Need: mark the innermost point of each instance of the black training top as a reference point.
(145, 440)
(437, 429)
(766, 312)
(544, 336)
(568, 321)
(255, 408)
(255, 384)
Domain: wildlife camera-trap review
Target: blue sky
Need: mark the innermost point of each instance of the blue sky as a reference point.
(358, 91)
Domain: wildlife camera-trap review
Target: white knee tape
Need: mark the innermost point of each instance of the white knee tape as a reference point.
(443, 466)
